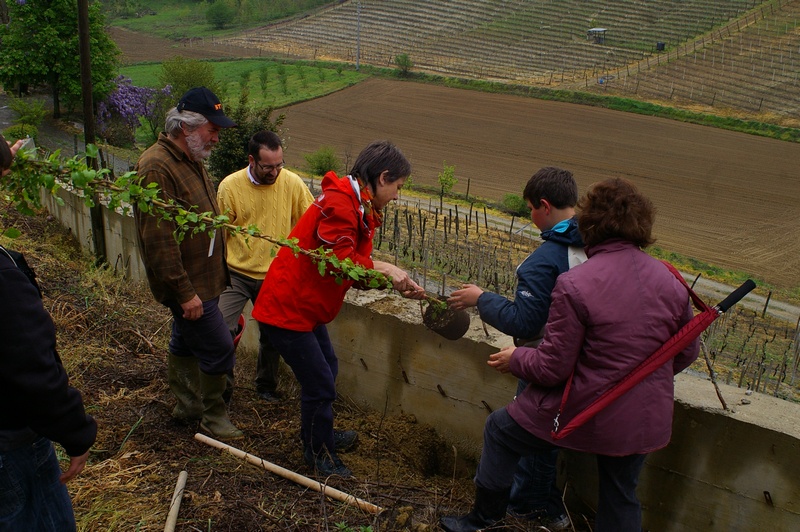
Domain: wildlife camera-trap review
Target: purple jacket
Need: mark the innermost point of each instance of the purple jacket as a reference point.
(607, 315)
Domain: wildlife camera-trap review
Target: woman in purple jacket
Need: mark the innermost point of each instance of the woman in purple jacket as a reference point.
(607, 316)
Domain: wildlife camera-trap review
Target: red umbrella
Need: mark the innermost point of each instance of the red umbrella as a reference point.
(662, 355)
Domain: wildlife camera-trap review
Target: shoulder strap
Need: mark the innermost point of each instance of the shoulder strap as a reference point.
(575, 255)
(19, 261)
(667, 352)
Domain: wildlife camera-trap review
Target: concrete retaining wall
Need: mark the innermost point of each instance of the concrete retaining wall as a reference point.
(731, 471)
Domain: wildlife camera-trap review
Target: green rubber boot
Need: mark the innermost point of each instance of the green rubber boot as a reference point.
(183, 375)
(215, 413)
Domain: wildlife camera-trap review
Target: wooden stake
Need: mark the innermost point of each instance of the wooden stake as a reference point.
(175, 505)
(333, 493)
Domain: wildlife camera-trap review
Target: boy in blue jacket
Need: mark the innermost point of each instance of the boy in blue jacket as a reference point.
(551, 194)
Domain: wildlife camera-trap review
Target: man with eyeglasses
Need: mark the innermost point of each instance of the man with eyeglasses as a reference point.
(272, 198)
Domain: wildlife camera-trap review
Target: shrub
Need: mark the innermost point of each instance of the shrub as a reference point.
(514, 204)
(219, 15)
(30, 112)
(404, 64)
(20, 131)
(230, 154)
(323, 161)
(183, 74)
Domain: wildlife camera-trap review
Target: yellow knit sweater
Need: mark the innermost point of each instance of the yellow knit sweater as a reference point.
(274, 209)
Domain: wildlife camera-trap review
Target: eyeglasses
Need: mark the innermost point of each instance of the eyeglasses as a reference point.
(271, 167)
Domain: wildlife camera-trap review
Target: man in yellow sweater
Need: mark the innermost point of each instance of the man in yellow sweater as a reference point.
(272, 198)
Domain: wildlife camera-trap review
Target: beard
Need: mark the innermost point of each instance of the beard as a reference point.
(197, 149)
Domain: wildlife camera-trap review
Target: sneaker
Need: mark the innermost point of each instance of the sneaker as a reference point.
(326, 464)
(558, 523)
(344, 440)
(269, 397)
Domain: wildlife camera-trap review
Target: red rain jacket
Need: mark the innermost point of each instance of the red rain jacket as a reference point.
(294, 295)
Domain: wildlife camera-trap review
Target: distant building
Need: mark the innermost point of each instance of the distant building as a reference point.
(597, 35)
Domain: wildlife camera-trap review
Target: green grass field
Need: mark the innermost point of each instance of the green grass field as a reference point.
(283, 83)
(177, 19)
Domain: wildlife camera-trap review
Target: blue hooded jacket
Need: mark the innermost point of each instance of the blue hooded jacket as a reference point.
(525, 317)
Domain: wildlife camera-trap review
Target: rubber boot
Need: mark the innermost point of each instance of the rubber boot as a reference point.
(215, 413)
(488, 510)
(183, 376)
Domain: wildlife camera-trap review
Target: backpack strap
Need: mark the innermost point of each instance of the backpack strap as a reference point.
(19, 261)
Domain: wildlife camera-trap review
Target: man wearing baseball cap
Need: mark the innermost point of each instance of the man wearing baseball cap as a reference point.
(189, 276)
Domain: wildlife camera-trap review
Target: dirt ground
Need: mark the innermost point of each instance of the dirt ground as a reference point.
(112, 338)
(724, 198)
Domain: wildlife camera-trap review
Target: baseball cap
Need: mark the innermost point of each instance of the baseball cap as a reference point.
(203, 101)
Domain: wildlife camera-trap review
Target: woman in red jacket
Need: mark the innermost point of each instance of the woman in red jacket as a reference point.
(295, 301)
(607, 316)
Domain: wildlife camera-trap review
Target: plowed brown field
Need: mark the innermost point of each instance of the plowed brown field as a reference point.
(726, 198)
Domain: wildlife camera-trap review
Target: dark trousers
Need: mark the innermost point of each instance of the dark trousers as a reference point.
(618, 508)
(33, 498)
(231, 304)
(534, 491)
(208, 338)
(315, 366)
(505, 441)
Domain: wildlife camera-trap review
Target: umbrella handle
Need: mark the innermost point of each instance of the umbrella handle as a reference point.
(735, 296)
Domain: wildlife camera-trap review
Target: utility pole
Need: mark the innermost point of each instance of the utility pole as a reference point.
(96, 212)
(358, 35)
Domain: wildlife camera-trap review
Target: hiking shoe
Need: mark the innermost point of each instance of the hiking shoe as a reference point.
(344, 440)
(269, 397)
(558, 523)
(326, 464)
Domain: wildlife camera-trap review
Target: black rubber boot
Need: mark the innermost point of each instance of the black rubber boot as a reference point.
(488, 510)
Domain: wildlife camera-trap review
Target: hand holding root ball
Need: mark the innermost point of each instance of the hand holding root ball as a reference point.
(7, 153)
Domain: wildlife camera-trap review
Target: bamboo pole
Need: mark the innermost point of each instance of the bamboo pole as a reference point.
(333, 493)
(175, 505)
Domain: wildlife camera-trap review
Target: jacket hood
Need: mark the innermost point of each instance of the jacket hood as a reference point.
(569, 237)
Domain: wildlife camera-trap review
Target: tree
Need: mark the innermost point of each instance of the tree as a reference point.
(182, 74)
(322, 161)
(447, 180)
(219, 14)
(404, 63)
(128, 107)
(231, 152)
(40, 46)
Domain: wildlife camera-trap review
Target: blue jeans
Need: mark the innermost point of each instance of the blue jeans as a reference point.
(208, 339)
(315, 366)
(32, 498)
(534, 491)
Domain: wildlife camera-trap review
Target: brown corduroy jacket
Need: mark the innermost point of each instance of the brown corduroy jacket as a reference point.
(176, 272)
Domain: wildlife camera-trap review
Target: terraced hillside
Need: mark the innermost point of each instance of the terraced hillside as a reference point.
(543, 42)
(496, 38)
(751, 65)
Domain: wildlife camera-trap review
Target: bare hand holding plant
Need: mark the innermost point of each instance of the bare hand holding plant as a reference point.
(466, 297)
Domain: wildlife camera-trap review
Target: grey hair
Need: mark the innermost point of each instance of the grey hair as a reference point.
(177, 119)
